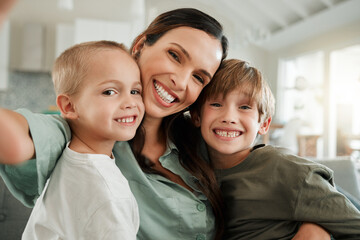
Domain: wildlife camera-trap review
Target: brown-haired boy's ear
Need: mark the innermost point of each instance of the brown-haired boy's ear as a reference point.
(66, 106)
(138, 46)
(264, 128)
(195, 118)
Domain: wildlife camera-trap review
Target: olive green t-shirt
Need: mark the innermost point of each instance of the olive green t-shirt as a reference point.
(271, 193)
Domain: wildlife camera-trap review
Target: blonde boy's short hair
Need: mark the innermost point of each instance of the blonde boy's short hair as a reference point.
(237, 74)
(72, 66)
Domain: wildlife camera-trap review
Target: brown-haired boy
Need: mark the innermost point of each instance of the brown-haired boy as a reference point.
(268, 193)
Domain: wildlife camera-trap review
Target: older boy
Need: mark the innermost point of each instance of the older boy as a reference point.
(268, 192)
(99, 93)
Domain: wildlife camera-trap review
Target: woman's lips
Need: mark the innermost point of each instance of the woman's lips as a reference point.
(164, 94)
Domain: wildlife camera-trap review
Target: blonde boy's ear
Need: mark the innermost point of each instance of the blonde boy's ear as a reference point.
(264, 128)
(66, 106)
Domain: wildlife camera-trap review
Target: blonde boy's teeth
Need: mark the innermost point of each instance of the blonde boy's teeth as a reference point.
(229, 134)
(126, 120)
(164, 95)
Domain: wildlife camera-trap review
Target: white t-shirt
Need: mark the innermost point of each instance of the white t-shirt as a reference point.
(87, 197)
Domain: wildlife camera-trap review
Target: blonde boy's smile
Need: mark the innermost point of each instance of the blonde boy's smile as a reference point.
(128, 120)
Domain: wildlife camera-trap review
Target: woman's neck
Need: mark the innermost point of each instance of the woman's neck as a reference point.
(155, 139)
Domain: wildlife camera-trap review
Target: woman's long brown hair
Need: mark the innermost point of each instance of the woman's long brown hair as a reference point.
(196, 166)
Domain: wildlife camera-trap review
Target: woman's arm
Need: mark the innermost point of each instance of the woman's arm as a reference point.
(311, 231)
(16, 145)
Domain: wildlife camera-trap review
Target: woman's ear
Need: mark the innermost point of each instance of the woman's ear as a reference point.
(138, 46)
(264, 127)
(66, 106)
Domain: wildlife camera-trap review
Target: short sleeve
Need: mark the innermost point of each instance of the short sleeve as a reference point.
(319, 201)
(50, 133)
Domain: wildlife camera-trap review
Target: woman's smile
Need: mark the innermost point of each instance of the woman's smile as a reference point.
(164, 94)
(176, 68)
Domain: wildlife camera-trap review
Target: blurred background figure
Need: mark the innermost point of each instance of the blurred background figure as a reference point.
(5, 7)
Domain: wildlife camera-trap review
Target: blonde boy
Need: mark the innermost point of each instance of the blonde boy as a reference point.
(268, 193)
(99, 94)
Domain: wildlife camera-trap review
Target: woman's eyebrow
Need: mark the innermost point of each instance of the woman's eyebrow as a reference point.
(207, 74)
(189, 57)
(183, 50)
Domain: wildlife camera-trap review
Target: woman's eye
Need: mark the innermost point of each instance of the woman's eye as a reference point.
(135, 92)
(109, 92)
(174, 56)
(199, 78)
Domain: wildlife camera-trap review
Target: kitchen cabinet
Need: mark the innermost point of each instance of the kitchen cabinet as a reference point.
(4, 54)
(93, 30)
(83, 30)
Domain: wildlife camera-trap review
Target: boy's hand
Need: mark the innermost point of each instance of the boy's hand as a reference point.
(311, 231)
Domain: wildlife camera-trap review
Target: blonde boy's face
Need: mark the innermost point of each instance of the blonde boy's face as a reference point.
(230, 125)
(109, 105)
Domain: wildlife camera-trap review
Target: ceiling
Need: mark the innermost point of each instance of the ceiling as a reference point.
(274, 24)
(269, 24)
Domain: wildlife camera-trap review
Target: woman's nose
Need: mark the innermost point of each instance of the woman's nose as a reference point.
(181, 81)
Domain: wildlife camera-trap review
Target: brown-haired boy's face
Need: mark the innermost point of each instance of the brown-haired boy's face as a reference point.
(230, 125)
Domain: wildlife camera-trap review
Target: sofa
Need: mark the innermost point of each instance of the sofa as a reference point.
(14, 215)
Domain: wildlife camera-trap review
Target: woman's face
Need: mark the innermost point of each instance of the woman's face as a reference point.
(176, 68)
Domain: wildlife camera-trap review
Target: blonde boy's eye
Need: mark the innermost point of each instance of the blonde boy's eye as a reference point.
(108, 92)
(135, 92)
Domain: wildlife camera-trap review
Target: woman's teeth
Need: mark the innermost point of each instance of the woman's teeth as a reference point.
(126, 120)
(229, 134)
(164, 95)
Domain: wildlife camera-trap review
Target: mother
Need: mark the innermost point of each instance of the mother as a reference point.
(178, 198)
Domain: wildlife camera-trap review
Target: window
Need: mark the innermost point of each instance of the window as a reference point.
(300, 101)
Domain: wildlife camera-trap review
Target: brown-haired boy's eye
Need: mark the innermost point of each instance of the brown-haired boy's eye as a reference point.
(215, 104)
(245, 107)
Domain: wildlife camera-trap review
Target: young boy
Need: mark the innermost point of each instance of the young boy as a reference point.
(268, 193)
(99, 93)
